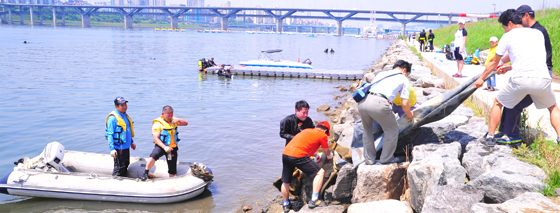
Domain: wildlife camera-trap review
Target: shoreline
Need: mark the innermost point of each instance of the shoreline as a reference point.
(448, 148)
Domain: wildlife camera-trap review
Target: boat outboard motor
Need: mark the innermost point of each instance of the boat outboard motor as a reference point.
(53, 154)
(49, 160)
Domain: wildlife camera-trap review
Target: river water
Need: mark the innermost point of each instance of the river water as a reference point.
(61, 86)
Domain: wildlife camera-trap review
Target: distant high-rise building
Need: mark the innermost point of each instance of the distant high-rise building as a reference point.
(191, 16)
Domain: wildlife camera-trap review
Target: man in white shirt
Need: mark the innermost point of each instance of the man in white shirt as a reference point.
(529, 72)
(377, 107)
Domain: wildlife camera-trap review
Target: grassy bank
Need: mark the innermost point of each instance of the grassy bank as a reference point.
(481, 31)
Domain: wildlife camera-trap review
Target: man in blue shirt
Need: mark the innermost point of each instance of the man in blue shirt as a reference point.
(119, 133)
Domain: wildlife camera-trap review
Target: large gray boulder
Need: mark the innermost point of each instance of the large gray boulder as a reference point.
(338, 129)
(383, 206)
(345, 183)
(464, 111)
(456, 198)
(433, 170)
(451, 150)
(456, 120)
(430, 133)
(465, 134)
(430, 82)
(379, 182)
(479, 159)
(349, 116)
(343, 134)
(501, 185)
(498, 174)
(428, 91)
(526, 202)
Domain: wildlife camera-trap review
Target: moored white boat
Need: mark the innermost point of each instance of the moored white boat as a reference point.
(268, 58)
(87, 176)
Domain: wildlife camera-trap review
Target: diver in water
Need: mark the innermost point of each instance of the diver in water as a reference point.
(327, 50)
(211, 62)
(332, 50)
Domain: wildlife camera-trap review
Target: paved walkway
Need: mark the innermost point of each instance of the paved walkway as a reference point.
(444, 69)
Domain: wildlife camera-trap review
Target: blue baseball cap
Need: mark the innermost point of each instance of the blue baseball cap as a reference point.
(120, 100)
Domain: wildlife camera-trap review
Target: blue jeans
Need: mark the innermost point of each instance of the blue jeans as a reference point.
(511, 118)
(491, 81)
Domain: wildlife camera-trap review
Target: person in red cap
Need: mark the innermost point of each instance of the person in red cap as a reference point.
(296, 154)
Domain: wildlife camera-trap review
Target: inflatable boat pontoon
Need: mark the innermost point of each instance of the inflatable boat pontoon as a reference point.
(57, 173)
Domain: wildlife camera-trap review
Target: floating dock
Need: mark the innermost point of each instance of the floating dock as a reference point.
(294, 72)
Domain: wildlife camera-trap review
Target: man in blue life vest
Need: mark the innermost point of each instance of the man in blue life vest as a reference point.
(164, 131)
(119, 133)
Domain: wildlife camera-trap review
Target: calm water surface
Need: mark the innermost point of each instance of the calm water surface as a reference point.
(61, 86)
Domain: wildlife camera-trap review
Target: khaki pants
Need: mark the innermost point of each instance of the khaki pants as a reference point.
(375, 108)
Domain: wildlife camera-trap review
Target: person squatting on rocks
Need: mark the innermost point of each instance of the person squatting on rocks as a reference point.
(377, 107)
(491, 82)
(295, 123)
(296, 155)
(529, 72)
(511, 118)
(460, 50)
(165, 133)
(119, 133)
(431, 37)
(422, 40)
(397, 102)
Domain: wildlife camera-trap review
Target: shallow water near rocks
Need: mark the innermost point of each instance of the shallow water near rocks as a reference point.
(61, 86)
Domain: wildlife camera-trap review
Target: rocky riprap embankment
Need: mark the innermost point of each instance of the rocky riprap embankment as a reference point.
(448, 170)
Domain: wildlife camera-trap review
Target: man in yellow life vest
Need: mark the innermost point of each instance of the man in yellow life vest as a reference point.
(119, 133)
(164, 131)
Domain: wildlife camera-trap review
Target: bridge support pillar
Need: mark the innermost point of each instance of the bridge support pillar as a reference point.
(63, 17)
(10, 18)
(85, 20)
(54, 16)
(449, 22)
(31, 22)
(404, 30)
(225, 23)
(40, 15)
(174, 22)
(358, 31)
(339, 28)
(279, 25)
(328, 30)
(128, 22)
(21, 15)
(313, 30)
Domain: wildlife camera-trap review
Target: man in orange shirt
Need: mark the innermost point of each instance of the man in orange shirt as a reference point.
(296, 154)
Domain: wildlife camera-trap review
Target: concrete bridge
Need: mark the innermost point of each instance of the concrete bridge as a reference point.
(224, 13)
